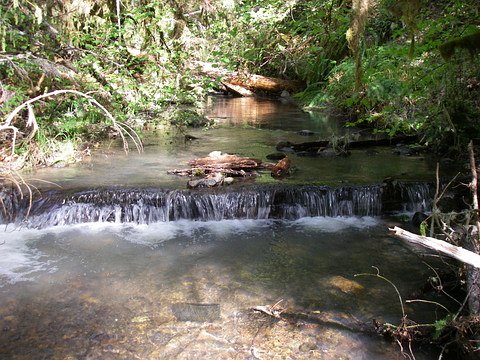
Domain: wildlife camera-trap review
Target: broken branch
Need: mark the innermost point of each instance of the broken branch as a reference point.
(456, 252)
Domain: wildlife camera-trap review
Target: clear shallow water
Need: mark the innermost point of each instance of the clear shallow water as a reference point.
(247, 127)
(105, 289)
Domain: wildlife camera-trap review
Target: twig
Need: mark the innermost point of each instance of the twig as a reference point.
(391, 283)
(441, 285)
(463, 304)
(428, 302)
(435, 199)
(273, 310)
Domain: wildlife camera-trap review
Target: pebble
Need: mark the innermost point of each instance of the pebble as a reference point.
(307, 346)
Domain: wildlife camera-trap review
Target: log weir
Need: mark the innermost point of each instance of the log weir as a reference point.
(150, 205)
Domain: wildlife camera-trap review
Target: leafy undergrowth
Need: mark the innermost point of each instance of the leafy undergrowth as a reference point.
(419, 92)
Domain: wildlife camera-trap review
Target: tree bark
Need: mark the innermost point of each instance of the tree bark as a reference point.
(226, 161)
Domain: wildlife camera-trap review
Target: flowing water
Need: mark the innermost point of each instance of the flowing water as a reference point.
(124, 263)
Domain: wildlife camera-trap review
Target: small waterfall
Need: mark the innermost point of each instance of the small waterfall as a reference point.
(150, 205)
(407, 197)
(11, 205)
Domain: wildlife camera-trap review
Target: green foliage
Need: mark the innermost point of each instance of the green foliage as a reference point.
(412, 94)
(440, 326)
(145, 63)
(423, 228)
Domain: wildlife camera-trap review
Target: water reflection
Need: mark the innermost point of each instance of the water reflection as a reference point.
(247, 127)
(270, 114)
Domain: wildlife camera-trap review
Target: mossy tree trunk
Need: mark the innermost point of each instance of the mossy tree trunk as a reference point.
(360, 11)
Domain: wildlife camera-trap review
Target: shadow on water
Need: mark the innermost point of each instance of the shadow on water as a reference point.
(98, 288)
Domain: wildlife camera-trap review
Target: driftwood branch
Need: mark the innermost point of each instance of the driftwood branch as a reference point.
(218, 160)
(209, 170)
(459, 253)
(274, 310)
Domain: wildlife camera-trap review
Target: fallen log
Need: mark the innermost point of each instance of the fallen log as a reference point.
(456, 252)
(255, 82)
(238, 90)
(243, 84)
(310, 146)
(218, 160)
(313, 147)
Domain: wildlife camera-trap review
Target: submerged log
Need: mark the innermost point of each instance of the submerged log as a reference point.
(314, 148)
(459, 253)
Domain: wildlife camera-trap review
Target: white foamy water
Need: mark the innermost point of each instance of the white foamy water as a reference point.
(19, 261)
(335, 224)
(25, 253)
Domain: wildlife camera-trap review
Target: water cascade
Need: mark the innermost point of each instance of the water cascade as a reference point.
(151, 205)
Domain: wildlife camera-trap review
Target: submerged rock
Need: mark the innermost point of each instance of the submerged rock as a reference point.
(228, 180)
(404, 150)
(189, 137)
(211, 180)
(196, 312)
(285, 146)
(344, 285)
(327, 152)
(160, 338)
(418, 218)
(308, 346)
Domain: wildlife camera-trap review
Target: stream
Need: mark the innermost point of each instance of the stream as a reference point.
(123, 262)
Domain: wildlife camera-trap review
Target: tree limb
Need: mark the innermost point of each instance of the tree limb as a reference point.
(459, 253)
